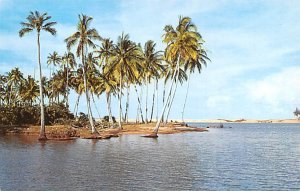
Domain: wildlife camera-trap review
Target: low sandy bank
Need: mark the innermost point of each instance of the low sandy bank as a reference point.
(68, 132)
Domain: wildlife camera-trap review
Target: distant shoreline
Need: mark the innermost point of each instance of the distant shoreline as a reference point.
(243, 121)
(232, 120)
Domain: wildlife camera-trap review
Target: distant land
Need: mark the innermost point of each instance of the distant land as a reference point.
(244, 121)
(233, 120)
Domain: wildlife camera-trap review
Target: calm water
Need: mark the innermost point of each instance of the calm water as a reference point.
(245, 157)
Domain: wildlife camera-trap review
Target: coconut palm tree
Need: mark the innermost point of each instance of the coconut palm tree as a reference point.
(182, 45)
(84, 37)
(39, 22)
(15, 78)
(125, 64)
(29, 90)
(191, 65)
(152, 68)
(53, 59)
(68, 62)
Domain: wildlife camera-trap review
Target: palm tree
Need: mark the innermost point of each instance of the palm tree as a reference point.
(69, 62)
(53, 59)
(152, 68)
(125, 64)
(29, 90)
(15, 78)
(84, 38)
(191, 65)
(182, 45)
(39, 22)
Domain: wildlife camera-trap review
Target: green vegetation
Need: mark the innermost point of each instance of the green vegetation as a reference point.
(94, 65)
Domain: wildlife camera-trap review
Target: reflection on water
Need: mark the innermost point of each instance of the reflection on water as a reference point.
(245, 157)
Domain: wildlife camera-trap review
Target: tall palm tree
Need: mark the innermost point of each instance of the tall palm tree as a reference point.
(84, 37)
(53, 59)
(126, 63)
(39, 22)
(152, 68)
(182, 45)
(191, 65)
(68, 62)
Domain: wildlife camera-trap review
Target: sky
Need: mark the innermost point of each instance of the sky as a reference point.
(254, 47)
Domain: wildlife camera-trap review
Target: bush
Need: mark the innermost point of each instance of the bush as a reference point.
(20, 115)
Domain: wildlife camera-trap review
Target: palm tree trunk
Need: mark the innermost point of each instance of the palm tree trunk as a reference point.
(153, 100)
(94, 130)
(155, 131)
(127, 104)
(96, 106)
(76, 105)
(120, 102)
(156, 99)
(110, 119)
(187, 91)
(42, 135)
(164, 95)
(139, 101)
(67, 93)
(146, 107)
(172, 99)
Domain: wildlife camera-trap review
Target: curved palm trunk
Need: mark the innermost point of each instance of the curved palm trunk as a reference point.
(140, 107)
(96, 106)
(94, 130)
(42, 135)
(155, 131)
(153, 100)
(120, 102)
(187, 91)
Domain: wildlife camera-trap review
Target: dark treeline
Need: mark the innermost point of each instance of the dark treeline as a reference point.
(93, 65)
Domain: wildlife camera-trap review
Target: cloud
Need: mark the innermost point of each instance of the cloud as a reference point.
(277, 90)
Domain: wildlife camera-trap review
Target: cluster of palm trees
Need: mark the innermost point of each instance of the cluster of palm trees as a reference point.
(93, 65)
(17, 90)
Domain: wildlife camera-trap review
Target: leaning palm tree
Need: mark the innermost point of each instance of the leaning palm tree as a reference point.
(84, 38)
(191, 65)
(39, 22)
(182, 45)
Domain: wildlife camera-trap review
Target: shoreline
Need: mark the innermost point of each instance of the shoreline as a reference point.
(279, 121)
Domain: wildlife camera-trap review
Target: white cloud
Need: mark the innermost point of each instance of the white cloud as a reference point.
(277, 90)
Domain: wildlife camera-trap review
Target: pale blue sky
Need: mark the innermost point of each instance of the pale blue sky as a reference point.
(254, 47)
